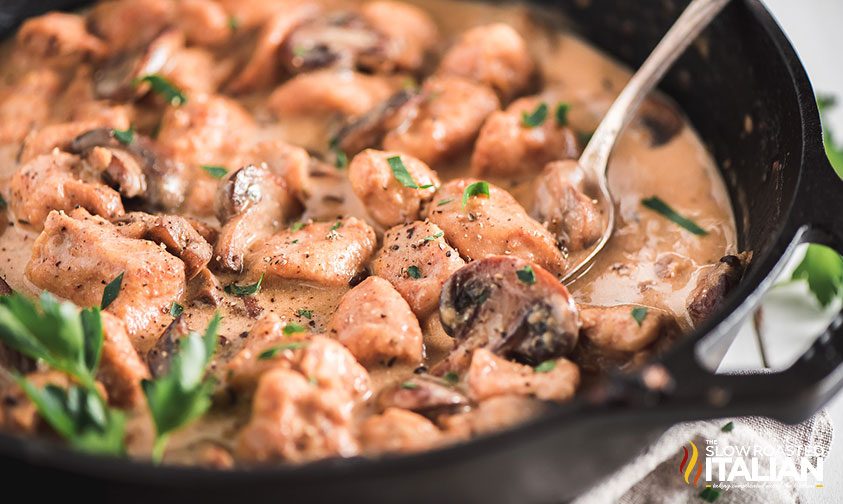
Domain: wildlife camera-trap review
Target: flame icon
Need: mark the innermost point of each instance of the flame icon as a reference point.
(686, 467)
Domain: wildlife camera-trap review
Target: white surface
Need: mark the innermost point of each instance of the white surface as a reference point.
(790, 321)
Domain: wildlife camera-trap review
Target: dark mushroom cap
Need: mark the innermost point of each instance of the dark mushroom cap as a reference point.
(424, 394)
(513, 307)
(116, 79)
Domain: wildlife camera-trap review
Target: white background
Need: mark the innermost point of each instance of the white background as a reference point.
(815, 28)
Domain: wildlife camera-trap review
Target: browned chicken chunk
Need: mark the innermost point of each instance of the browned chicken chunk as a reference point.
(121, 369)
(129, 24)
(494, 55)
(59, 37)
(713, 287)
(511, 146)
(391, 200)
(204, 22)
(397, 430)
(410, 32)
(329, 253)
(419, 245)
(490, 376)
(77, 256)
(493, 225)
(328, 92)
(564, 209)
(443, 120)
(287, 161)
(377, 325)
(27, 103)
(492, 415)
(56, 181)
(510, 306)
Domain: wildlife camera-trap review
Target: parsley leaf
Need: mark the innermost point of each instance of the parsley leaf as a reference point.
(176, 309)
(337, 225)
(301, 312)
(164, 88)
(562, 110)
(414, 272)
(215, 171)
(399, 171)
(545, 367)
(111, 291)
(475, 189)
(434, 236)
(184, 393)
(296, 226)
(244, 290)
(710, 494)
(269, 353)
(639, 313)
(293, 328)
(2, 202)
(656, 204)
(408, 385)
(729, 427)
(444, 202)
(233, 23)
(526, 275)
(822, 268)
(535, 118)
(451, 377)
(125, 137)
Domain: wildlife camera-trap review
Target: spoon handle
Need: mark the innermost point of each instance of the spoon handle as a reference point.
(690, 24)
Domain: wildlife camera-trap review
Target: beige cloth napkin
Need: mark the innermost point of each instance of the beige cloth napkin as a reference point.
(653, 477)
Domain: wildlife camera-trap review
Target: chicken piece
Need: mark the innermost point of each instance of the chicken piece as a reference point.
(397, 430)
(507, 147)
(409, 30)
(494, 55)
(493, 225)
(17, 413)
(245, 368)
(713, 287)
(121, 369)
(27, 103)
(129, 24)
(287, 161)
(44, 140)
(443, 120)
(251, 203)
(78, 253)
(425, 395)
(328, 92)
(509, 306)
(175, 233)
(294, 420)
(263, 66)
(611, 337)
(574, 218)
(193, 70)
(490, 376)
(205, 288)
(52, 182)
(419, 244)
(492, 415)
(207, 130)
(327, 253)
(375, 323)
(254, 13)
(59, 38)
(204, 22)
(388, 200)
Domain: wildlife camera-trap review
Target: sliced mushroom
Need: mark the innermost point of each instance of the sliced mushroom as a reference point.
(116, 79)
(426, 395)
(206, 288)
(251, 203)
(368, 130)
(159, 356)
(715, 285)
(512, 307)
(661, 120)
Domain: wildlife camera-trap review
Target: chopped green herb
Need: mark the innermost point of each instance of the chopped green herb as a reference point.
(408, 385)
(444, 202)
(293, 328)
(584, 137)
(215, 171)
(434, 236)
(295, 241)
(399, 171)
(526, 275)
(562, 110)
(125, 137)
(639, 313)
(426, 186)
(475, 189)
(336, 226)
(111, 291)
(413, 272)
(184, 393)
(300, 51)
(546, 366)
(233, 23)
(710, 494)
(451, 377)
(272, 352)
(822, 268)
(301, 312)
(341, 161)
(729, 427)
(244, 290)
(296, 226)
(164, 88)
(536, 118)
(176, 309)
(657, 205)
(2, 202)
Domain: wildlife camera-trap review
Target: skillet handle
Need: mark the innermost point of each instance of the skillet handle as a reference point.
(796, 393)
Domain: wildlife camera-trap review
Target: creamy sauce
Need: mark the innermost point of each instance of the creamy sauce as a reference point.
(630, 270)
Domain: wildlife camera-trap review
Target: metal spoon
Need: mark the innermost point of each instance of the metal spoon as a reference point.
(595, 158)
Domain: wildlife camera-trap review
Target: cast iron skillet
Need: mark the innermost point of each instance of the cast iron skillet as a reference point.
(784, 193)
